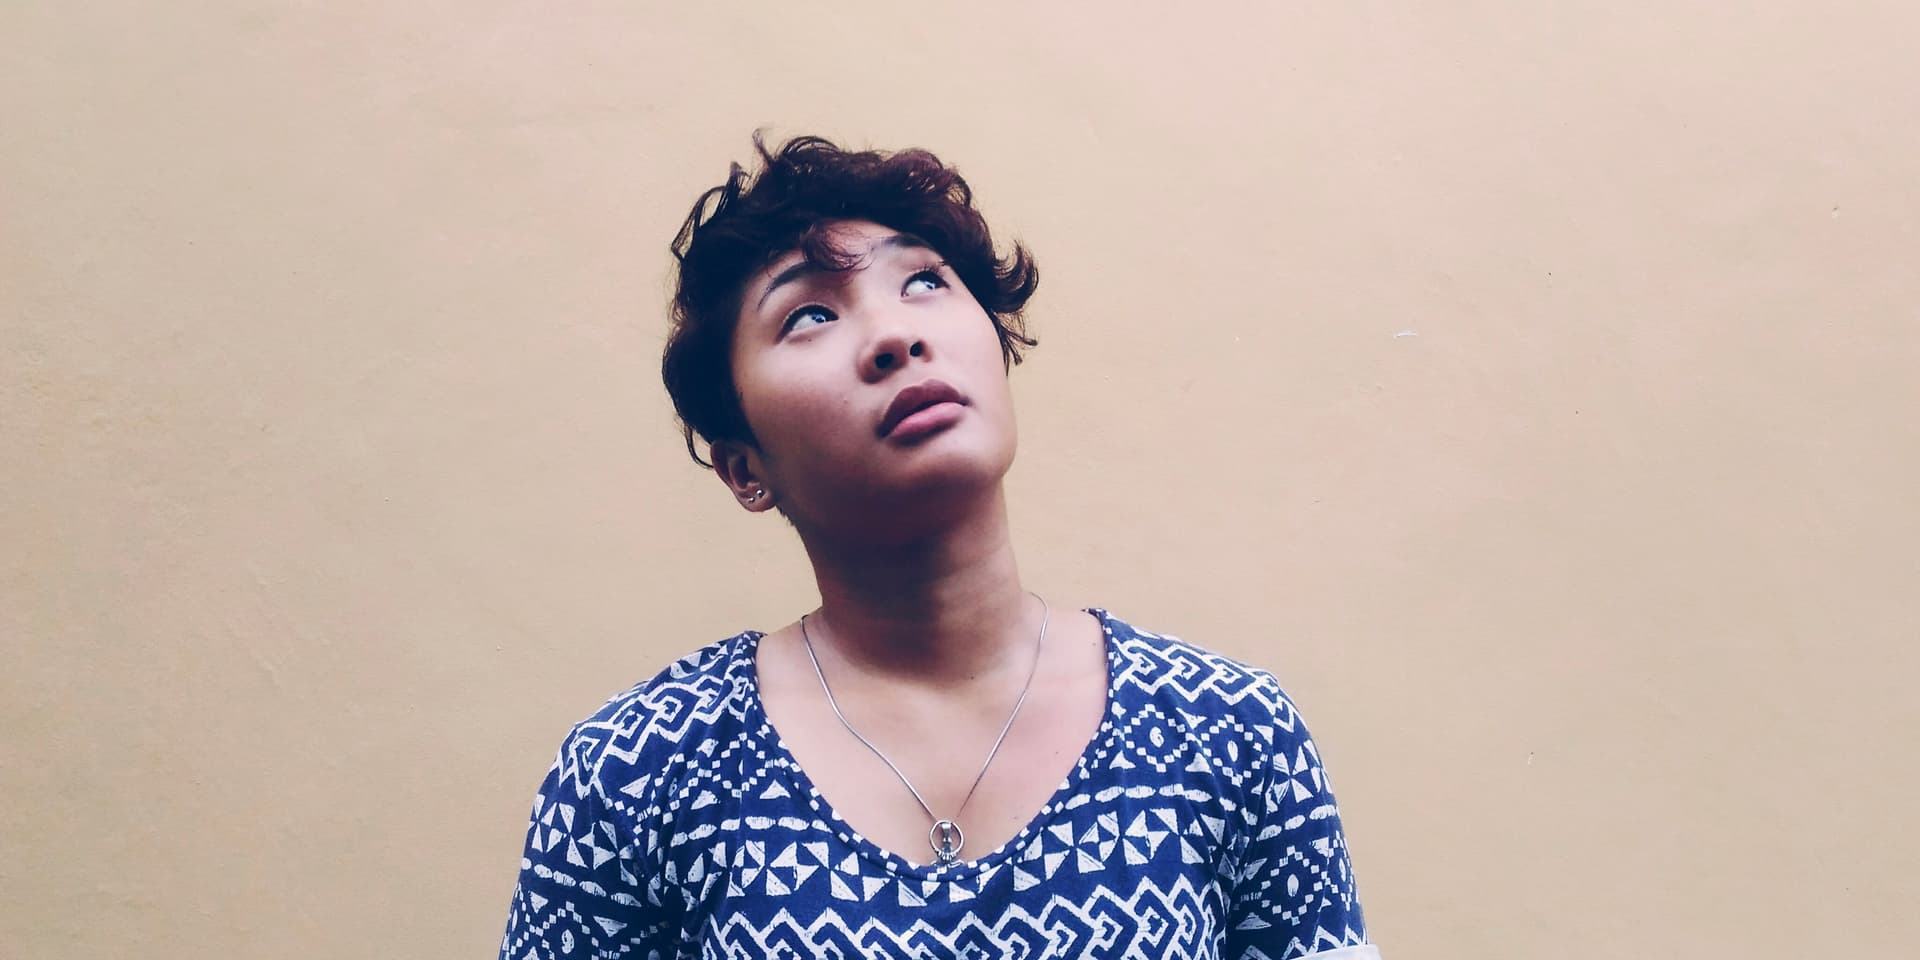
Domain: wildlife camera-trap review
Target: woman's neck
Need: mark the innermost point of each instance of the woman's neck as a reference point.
(944, 611)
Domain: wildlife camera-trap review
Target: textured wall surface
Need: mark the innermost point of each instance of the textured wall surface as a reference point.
(1531, 386)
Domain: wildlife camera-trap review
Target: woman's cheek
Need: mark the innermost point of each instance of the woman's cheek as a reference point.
(803, 417)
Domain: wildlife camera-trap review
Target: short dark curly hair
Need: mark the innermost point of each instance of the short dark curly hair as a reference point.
(740, 226)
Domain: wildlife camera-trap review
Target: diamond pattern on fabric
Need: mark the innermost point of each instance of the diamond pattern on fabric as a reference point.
(1198, 823)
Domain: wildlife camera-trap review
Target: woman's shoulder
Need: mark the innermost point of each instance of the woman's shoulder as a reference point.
(1165, 668)
(674, 710)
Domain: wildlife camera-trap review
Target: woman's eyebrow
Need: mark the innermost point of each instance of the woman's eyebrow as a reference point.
(807, 268)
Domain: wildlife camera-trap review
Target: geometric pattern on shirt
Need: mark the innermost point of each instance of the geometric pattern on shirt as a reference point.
(1198, 823)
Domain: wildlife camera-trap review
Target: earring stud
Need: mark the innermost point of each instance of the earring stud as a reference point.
(756, 496)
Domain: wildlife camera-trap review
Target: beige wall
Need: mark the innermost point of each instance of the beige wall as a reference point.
(1530, 385)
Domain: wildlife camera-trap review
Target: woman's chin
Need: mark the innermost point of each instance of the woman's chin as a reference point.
(927, 501)
(953, 469)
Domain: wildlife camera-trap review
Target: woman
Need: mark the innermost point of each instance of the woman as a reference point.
(935, 762)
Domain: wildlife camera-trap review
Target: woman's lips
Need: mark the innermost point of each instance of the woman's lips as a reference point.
(927, 421)
(921, 397)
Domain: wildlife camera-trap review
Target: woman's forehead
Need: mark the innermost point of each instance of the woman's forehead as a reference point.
(852, 239)
(854, 244)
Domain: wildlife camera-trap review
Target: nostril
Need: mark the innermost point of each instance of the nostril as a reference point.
(917, 349)
(883, 361)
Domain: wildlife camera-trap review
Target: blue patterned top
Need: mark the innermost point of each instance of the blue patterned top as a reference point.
(1197, 823)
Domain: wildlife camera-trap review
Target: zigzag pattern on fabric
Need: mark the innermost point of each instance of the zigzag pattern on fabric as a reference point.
(1198, 823)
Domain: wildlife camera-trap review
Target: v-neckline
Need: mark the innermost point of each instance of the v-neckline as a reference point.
(780, 757)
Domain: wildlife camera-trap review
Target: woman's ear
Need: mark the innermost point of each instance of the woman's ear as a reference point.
(738, 467)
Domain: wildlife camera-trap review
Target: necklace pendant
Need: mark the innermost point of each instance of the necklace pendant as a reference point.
(946, 839)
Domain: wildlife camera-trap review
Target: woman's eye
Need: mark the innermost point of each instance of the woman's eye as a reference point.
(925, 280)
(806, 317)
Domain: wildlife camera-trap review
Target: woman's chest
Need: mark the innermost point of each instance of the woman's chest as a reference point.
(922, 775)
(1124, 876)
(962, 790)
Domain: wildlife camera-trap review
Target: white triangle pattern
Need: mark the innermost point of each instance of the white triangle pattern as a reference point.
(1199, 823)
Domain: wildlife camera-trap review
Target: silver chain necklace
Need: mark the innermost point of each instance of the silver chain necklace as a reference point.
(945, 836)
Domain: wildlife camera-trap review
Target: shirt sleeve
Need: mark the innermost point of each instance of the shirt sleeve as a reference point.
(582, 892)
(1294, 895)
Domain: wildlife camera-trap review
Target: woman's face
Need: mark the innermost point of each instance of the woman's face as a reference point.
(878, 394)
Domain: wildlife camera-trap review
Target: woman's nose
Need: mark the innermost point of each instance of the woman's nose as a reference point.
(891, 352)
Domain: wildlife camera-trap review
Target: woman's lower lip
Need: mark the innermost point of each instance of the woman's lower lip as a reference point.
(926, 421)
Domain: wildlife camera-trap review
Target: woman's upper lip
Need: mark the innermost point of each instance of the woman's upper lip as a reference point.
(915, 398)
